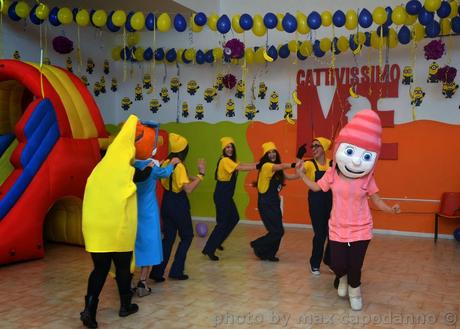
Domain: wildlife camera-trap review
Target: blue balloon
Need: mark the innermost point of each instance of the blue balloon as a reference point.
(389, 12)
(404, 35)
(433, 29)
(199, 57)
(223, 24)
(270, 20)
(12, 12)
(284, 51)
(109, 24)
(317, 50)
(300, 56)
(53, 17)
(365, 18)
(457, 234)
(272, 52)
(180, 24)
(246, 22)
(148, 54)
(171, 55)
(185, 60)
(33, 18)
(74, 14)
(384, 31)
(200, 19)
(150, 21)
(444, 10)
(126, 53)
(367, 43)
(314, 20)
(289, 23)
(209, 57)
(339, 18)
(334, 46)
(425, 17)
(455, 23)
(352, 43)
(128, 26)
(413, 7)
(159, 54)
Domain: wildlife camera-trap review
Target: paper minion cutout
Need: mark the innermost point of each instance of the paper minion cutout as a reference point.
(102, 83)
(209, 94)
(164, 95)
(84, 79)
(288, 110)
(219, 85)
(417, 96)
(449, 89)
(175, 84)
(114, 85)
(126, 103)
(106, 67)
(199, 112)
(240, 87)
(262, 90)
(230, 108)
(432, 71)
(154, 105)
(407, 76)
(46, 61)
(97, 88)
(147, 81)
(89, 66)
(274, 100)
(250, 111)
(138, 96)
(68, 64)
(17, 55)
(184, 109)
(192, 87)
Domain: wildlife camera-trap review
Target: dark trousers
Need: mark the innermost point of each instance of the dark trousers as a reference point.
(226, 219)
(176, 219)
(319, 216)
(267, 246)
(347, 259)
(102, 261)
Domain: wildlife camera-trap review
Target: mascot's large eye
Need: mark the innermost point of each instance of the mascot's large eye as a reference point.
(349, 151)
(367, 156)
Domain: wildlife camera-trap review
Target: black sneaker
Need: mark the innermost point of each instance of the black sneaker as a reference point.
(315, 270)
(211, 256)
(221, 248)
(180, 277)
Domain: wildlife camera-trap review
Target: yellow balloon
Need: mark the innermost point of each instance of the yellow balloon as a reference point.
(99, 18)
(360, 38)
(193, 26)
(82, 17)
(249, 55)
(22, 9)
(453, 9)
(258, 26)
(419, 32)
(432, 5)
(139, 54)
(179, 53)
(65, 15)
(326, 18)
(259, 55)
(190, 54)
(351, 20)
(212, 22)
(445, 26)
(138, 21)
(164, 22)
(379, 15)
(279, 26)
(119, 18)
(132, 39)
(306, 48)
(376, 42)
(292, 45)
(399, 15)
(6, 6)
(116, 53)
(218, 53)
(410, 19)
(236, 24)
(343, 44)
(392, 38)
(325, 44)
(302, 25)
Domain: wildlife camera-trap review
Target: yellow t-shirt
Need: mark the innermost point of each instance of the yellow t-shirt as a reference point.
(310, 168)
(265, 175)
(226, 168)
(179, 177)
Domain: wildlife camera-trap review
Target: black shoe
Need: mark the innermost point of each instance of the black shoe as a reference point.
(179, 277)
(336, 282)
(211, 256)
(273, 259)
(221, 248)
(127, 308)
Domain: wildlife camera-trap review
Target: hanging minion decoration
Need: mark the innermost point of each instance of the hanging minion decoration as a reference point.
(262, 90)
(97, 88)
(126, 103)
(175, 84)
(250, 111)
(432, 71)
(114, 85)
(89, 66)
(106, 67)
(199, 112)
(102, 83)
(209, 94)
(230, 108)
(274, 100)
(184, 109)
(154, 105)
(417, 96)
(449, 89)
(68, 64)
(407, 76)
(288, 110)
(84, 79)
(46, 61)
(147, 81)
(164, 95)
(219, 82)
(240, 87)
(138, 93)
(17, 55)
(192, 87)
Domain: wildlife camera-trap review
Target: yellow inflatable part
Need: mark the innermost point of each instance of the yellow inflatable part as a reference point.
(63, 222)
(109, 205)
(11, 94)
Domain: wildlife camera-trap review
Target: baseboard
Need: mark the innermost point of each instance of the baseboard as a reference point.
(308, 226)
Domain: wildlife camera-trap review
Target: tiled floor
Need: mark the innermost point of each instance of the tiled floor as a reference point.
(407, 283)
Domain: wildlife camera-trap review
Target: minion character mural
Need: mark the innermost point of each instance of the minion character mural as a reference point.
(250, 111)
(230, 108)
(240, 87)
(174, 84)
(288, 110)
(449, 89)
(114, 85)
(262, 90)
(138, 96)
(84, 79)
(97, 88)
(185, 110)
(164, 95)
(126, 103)
(102, 83)
(432, 71)
(209, 94)
(192, 87)
(17, 55)
(154, 105)
(199, 112)
(407, 76)
(274, 100)
(90, 66)
(147, 81)
(417, 96)
(68, 64)
(219, 85)
(106, 66)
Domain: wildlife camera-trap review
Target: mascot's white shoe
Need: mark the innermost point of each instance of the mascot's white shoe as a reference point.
(343, 286)
(356, 302)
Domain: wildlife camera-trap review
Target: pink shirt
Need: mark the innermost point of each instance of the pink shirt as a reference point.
(351, 218)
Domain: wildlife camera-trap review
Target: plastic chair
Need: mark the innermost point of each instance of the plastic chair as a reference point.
(450, 209)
